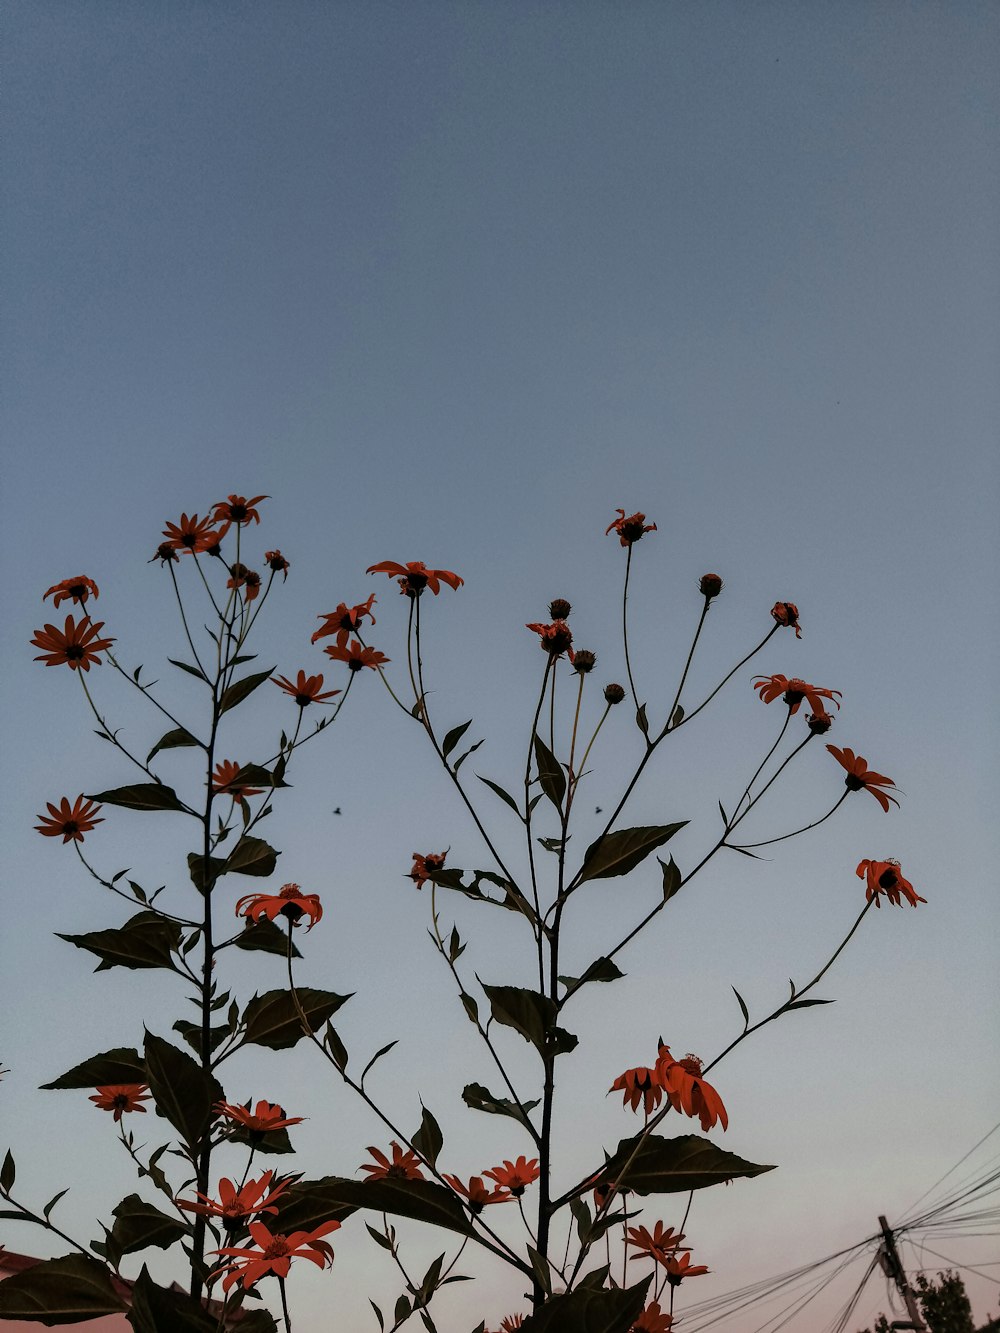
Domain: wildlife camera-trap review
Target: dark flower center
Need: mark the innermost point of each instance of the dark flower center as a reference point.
(888, 879)
(78, 590)
(121, 1102)
(237, 512)
(71, 826)
(74, 652)
(303, 699)
(631, 531)
(277, 1249)
(853, 784)
(396, 1172)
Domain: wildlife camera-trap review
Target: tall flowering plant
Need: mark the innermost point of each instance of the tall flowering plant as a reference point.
(558, 1234)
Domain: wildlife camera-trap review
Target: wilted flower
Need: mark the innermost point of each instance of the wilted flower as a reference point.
(345, 621)
(583, 660)
(559, 608)
(69, 822)
(425, 867)
(688, 1091)
(614, 694)
(289, 902)
(277, 562)
(793, 692)
(819, 722)
(629, 529)
(787, 614)
(555, 638)
(710, 585)
(79, 589)
(886, 877)
(414, 577)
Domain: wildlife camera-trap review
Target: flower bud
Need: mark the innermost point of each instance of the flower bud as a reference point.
(559, 609)
(614, 694)
(583, 661)
(710, 585)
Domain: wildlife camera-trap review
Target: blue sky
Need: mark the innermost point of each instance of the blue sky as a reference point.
(452, 282)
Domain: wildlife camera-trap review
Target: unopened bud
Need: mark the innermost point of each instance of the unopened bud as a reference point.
(583, 661)
(559, 609)
(614, 694)
(710, 585)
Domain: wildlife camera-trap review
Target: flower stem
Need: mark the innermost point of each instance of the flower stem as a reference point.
(687, 665)
(746, 846)
(284, 1305)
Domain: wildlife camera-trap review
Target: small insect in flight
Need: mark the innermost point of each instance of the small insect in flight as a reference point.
(338, 811)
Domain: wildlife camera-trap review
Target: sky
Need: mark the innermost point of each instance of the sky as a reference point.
(452, 282)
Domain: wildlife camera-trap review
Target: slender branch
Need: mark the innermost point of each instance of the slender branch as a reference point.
(725, 679)
(687, 664)
(746, 846)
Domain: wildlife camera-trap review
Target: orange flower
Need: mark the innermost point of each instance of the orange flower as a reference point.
(515, 1176)
(192, 534)
(511, 1322)
(884, 877)
(819, 722)
(237, 509)
(639, 1085)
(794, 691)
(414, 577)
(345, 621)
(652, 1320)
(688, 1091)
(555, 638)
(357, 657)
(224, 778)
(239, 1202)
(659, 1244)
(605, 1191)
(477, 1193)
(629, 529)
(679, 1267)
(787, 614)
(306, 689)
(404, 1165)
(424, 867)
(76, 645)
(860, 776)
(274, 1254)
(122, 1098)
(290, 902)
(277, 562)
(79, 589)
(265, 1118)
(70, 821)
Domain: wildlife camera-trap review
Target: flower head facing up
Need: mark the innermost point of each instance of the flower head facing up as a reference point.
(414, 577)
(653, 1320)
(70, 822)
(679, 1267)
(274, 1254)
(639, 1085)
(793, 692)
(264, 1119)
(121, 1098)
(629, 529)
(658, 1244)
(426, 866)
(787, 614)
(710, 585)
(688, 1091)
(345, 621)
(79, 589)
(405, 1165)
(477, 1193)
(236, 1202)
(75, 645)
(886, 877)
(357, 657)
(554, 638)
(277, 563)
(305, 690)
(224, 781)
(192, 534)
(290, 902)
(237, 509)
(861, 777)
(515, 1176)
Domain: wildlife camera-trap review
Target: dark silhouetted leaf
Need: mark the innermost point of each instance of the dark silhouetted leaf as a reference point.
(602, 969)
(272, 1020)
(618, 853)
(453, 737)
(481, 1099)
(192, 671)
(462, 757)
(587, 1310)
(640, 720)
(336, 1047)
(139, 1225)
(671, 878)
(678, 716)
(805, 1004)
(181, 1089)
(239, 689)
(532, 1015)
(428, 1139)
(191, 1032)
(550, 775)
(122, 1065)
(671, 1166)
(265, 935)
(311, 1202)
(196, 869)
(145, 940)
(7, 1172)
(540, 1268)
(499, 791)
(157, 1309)
(382, 1050)
(252, 856)
(141, 796)
(60, 1291)
(172, 740)
(743, 1008)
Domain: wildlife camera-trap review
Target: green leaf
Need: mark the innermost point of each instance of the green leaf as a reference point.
(122, 1065)
(141, 796)
(499, 791)
(428, 1139)
(671, 878)
(531, 1014)
(266, 936)
(252, 856)
(311, 1202)
(272, 1020)
(743, 1008)
(481, 1099)
(181, 1089)
(239, 689)
(60, 1291)
(139, 1225)
(618, 853)
(159, 1310)
(602, 969)
(453, 737)
(172, 740)
(672, 1166)
(587, 1310)
(7, 1173)
(581, 1215)
(192, 671)
(145, 940)
(550, 774)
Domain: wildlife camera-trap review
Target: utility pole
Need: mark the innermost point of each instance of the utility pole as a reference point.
(892, 1267)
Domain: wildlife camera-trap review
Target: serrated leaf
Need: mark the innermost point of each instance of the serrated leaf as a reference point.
(618, 853)
(672, 1166)
(267, 937)
(602, 969)
(138, 1225)
(531, 1014)
(743, 1008)
(145, 940)
(172, 740)
(239, 689)
(140, 796)
(192, 671)
(587, 1310)
(671, 878)
(272, 1020)
(499, 791)
(453, 737)
(550, 773)
(122, 1065)
(60, 1291)
(428, 1139)
(481, 1099)
(181, 1089)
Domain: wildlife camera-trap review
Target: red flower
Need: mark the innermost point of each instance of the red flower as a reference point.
(652, 1321)
(247, 579)
(306, 689)
(265, 1117)
(688, 1091)
(885, 877)
(477, 1193)
(76, 645)
(290, 902)
(629, 529)
(122, 1098)
(224, 781)
(357, 657)
(239, 1202)
(511, 1322)
(192, 534)
(793, 692)
(515, 1176)
(819, 722)
(345, 621)
(555, 638)
(787, 614)
(79, 589)
(639, 1085)
(414, 577)
(278, 563)
(860, 776)
(405, 1165)
(70, 821)
(679, 1267)
(659, 1244)
(274, 1254)
(425, 867)
(237, 509)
